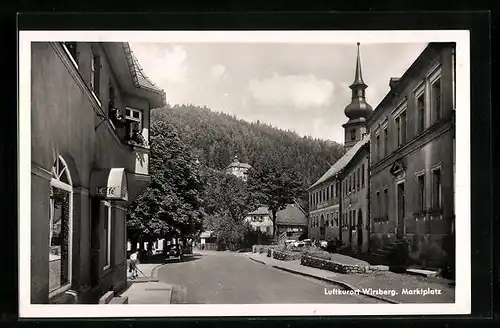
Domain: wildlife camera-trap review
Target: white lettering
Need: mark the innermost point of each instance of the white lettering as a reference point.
(421, 291)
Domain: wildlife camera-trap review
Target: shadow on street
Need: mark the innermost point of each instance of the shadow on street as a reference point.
(160, 259)
(185, 259)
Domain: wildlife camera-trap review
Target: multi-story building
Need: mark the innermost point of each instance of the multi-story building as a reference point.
(238, 169)
(90, 105)
(412, 159)
(339, 199)
(355, 198)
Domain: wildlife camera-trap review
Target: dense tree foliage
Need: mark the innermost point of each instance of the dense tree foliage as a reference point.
(217, 137)
(274, 185)
(172, 205)
(227, 201)
(191, 147)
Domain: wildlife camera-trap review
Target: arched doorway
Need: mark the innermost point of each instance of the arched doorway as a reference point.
(61, 227)
(322, 227)
(360, 229)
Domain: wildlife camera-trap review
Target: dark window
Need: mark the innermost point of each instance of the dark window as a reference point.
(377, 154)
(421, 113)
(386, 202)
(386, 145)
(436, 189)
(354, 181)
(421, 192)
(111, 96)
(403, 127)
(353, 134)
(359, 178)
(378, 204)
(95, 74)
(362, 175)
(436, 98)
(398, 128)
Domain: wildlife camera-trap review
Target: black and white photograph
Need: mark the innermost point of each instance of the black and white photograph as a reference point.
(237, 173)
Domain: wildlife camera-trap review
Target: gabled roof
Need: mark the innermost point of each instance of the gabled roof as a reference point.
(291, 215)
(238, 164)
(263, 210)
(141, 80)
(342, 162)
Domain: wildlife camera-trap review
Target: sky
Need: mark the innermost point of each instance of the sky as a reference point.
(299, 87)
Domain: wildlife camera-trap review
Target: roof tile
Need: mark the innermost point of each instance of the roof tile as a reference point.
(342, 162)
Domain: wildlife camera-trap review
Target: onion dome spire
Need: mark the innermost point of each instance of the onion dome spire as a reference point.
(358, 107)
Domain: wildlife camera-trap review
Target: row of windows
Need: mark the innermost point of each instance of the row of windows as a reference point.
(349, 218)
(325, 194)
(381, 203)
(354, 181)
(332, 219)
(399, 138)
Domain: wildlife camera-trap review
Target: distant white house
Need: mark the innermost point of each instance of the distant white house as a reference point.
(260, 219)
(292, 220)
(238, 169)
(205, 237)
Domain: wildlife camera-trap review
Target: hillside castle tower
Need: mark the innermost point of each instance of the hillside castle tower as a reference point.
(357, 111)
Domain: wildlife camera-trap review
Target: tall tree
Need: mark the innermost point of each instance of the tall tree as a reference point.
(274, 185)
(226, 203)
(172, 205)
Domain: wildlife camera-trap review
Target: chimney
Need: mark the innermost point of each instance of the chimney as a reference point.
(393, 81)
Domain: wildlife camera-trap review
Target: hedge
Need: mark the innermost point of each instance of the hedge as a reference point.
(286, 256)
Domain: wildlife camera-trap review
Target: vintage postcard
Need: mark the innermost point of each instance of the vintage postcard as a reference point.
(249, 173)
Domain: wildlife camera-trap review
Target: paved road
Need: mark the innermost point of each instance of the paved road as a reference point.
(232, 278)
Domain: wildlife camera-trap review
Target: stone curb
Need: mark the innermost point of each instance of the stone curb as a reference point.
(154, 278)
(154, 271)
(261, 262)
(337, 282)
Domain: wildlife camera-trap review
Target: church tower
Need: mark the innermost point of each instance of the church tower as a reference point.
(357, 111)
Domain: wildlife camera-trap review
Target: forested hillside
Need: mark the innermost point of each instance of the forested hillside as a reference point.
(216, 137)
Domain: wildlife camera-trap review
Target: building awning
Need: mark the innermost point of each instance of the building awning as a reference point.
(109, 184)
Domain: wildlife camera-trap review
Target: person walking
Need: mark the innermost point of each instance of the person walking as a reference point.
(134, 261)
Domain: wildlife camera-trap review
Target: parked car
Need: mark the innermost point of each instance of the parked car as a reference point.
(174, 252)
(307, 242)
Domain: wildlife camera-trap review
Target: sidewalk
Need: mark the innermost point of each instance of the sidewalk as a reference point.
(385, 285)
(146, 289)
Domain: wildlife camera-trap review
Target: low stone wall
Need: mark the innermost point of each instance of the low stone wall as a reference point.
(286, 256)
(329, 265)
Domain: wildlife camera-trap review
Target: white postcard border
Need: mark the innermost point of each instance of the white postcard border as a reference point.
(462, 303)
